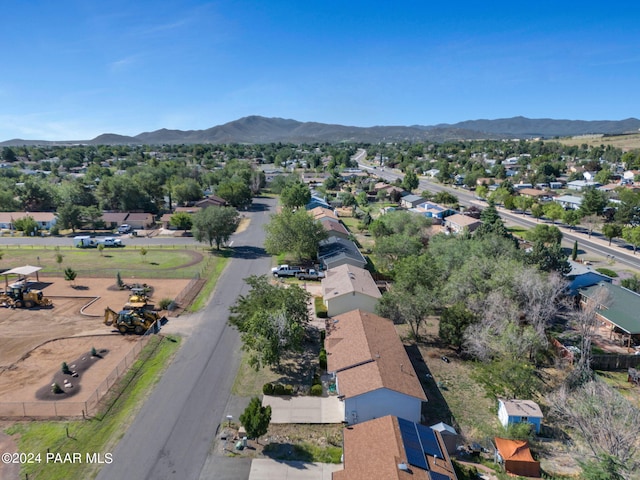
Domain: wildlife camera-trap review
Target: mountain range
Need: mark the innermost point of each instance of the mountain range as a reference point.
(256, 129)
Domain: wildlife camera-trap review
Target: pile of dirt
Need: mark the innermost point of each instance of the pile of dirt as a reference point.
(77, 368)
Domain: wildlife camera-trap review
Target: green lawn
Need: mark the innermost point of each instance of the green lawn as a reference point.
(99, 434)
(163, 262)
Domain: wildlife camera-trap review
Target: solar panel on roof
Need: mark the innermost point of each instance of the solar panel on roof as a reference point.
(438, 476)
(429, 441)
(412, 446)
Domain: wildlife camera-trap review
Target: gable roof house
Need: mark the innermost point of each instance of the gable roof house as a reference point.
(520, 411)
(336, 251)
(374, 376)
(319, 213)
(433, 211)
(334, 228)
(393, 448)
(569, 201)
(458, 223)
(45, 220)
(140, 220)
(114, 219)
(211, 201)
(411, 201)
(346, 288)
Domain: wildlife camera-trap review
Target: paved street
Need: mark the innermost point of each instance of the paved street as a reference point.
(172, 436)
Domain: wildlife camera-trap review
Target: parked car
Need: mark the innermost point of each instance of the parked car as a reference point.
(285, 271)
(311, 274)
(124, 228)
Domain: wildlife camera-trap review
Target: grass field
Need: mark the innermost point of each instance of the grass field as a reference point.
(100, 434)
(624, 142)
(163, 262)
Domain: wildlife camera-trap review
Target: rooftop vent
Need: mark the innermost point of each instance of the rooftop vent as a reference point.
(403, 466)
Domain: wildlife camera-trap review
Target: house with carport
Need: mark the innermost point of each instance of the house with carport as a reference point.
(347, 287)
(373, 374)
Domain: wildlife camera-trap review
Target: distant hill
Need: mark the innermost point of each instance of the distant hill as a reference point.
(256, 129)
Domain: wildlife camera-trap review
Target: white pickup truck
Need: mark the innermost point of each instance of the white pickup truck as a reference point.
(311, 274)
(285, 271)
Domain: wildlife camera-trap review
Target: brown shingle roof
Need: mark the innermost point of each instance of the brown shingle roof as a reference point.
(321, 212)
(330, 225)
(462, 220)
(374, 449)
(347, 279)
(367, 354)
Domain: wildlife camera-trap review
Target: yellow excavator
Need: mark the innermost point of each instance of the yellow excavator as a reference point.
(20, 297)
(135, 321)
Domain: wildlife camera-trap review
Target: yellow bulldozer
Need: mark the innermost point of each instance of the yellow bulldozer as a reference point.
(135, 321)
(20, 297)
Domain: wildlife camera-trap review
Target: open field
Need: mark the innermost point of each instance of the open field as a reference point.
(624, 142)
(156, 263)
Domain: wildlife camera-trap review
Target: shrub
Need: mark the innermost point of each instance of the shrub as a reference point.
(280, 389)
(316, 379)
(323, 335)
(119, 281)
(607, 272)
(321, 310)
(65, 368)
(316, 390)
(94, 352)
(267, 389)
(164, 303)
(55, 388)
(322, 358)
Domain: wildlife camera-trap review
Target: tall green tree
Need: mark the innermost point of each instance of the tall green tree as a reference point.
(454, 320)
(215, 224)
(181, 221)
(410, 181)
(236, 192)
(553, 211)
(611, 231)
(295, 195)
(70, 216)
(271, 319)
(593, 201)
(632, 235)
(256, 418)
(296, 232)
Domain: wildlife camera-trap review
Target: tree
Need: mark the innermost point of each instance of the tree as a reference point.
(611, 231)
(27, 225)
(593, 201)
(604, 467)
(632, 235)
(295, 195)
(591, 222)
(482, 191)
(454, 320)
(632, 283)
(410, 181)
(70, 274)
(185, 191)
(537, 211)
(256, 418)
(554, 211)
(571, 217)
(296, 232)
(70, 216)
(523, 203)
(508, 378)
(271, 320)
(547, 234)
(143, 253)
(92, 215)
(235, 192)
(215, 224)
(445, 198)
(181, 221)
(548, 258)
(574, 251)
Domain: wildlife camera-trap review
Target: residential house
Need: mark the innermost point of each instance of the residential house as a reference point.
(166, 218)
(393, 448)
(459, 223)
(316, 201)
(321, 212)
(581, 184)
(431, 173)
(536, 194)
(140, 220)
(569, 201)
(433, 211)
(45, 220)
(516, 457)
(619, 312)
(313, 178)
(334, 228)
(336, 251)
(114, 219)
(346, 288)
(374, 376)
(211, 201)
(411, 201)
(520, 411)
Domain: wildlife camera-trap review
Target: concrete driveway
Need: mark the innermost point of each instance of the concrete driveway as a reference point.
(267, 469)
(305, 409)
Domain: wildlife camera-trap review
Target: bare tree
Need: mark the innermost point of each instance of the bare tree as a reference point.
(585, 320)
(604, 420)
(591, 222)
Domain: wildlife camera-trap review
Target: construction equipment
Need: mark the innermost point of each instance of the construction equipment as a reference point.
(138, 299)
(135, 321)
(20, 297)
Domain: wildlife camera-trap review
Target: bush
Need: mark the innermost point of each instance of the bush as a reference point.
(267, 389)
(65, 368)
(322, 358)
(280, 389)
(55, 388)
(316, 391)
(164, 303)
(321, 310)
(607, 272)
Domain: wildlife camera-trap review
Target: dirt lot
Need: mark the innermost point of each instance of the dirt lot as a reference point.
(35, 342)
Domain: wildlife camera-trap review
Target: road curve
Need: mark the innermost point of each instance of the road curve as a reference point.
(172, 435)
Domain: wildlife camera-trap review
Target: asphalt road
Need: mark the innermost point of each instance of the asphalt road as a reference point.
(620, 250)
(173, 434)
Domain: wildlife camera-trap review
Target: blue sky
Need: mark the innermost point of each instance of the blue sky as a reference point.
(73, 69)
